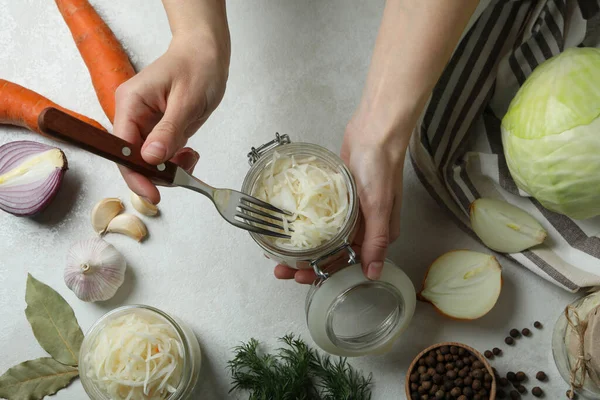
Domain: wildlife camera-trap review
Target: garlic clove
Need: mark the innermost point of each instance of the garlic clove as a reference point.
(463, 284)
(504, 227)
(104, 211)
(143, 206)
(95, 270)
(128, 224)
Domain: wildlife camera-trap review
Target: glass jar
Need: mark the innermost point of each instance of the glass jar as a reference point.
(346, 313)
(189, 343)
(563, 360)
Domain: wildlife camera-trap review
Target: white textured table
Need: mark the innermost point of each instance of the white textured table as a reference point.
(297, 68)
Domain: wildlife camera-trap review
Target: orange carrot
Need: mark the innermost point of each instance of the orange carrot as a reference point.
(102, 53)
(21, 106)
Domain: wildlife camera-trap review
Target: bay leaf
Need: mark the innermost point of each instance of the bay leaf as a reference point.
(35, 379)
(53, 322)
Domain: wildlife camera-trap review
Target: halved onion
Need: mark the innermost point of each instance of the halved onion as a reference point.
(463, 284)
(504, 227)
(30, 176)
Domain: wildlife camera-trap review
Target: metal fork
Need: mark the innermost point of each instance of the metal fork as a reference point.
(235, 207)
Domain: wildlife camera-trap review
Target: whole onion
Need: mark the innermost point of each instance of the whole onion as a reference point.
(30, 176)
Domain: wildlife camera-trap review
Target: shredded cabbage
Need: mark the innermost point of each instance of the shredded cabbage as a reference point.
(136, 357)
(312, 191)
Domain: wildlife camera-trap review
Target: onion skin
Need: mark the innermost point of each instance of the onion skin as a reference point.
(33, 197)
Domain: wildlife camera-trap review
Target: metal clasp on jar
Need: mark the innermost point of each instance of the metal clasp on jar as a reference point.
(344, 246)
(256, 153)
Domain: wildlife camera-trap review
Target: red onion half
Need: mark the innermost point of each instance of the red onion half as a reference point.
(30, 176)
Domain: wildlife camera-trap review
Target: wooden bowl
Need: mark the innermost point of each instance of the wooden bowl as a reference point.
(477, 354)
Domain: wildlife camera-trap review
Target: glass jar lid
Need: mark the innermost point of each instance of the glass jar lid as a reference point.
(349, 315)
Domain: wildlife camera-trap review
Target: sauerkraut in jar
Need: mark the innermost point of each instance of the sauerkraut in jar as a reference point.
(311, 190)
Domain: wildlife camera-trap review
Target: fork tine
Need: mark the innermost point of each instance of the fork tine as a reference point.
(263, 204)
(258, 230)
(259, 212)
(258, 220)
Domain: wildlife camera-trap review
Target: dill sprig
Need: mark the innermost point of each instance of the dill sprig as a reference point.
(295, 372)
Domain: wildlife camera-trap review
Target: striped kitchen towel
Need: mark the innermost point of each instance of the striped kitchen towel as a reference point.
(456, 147)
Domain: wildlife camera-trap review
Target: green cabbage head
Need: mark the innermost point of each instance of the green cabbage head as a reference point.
(551, 134)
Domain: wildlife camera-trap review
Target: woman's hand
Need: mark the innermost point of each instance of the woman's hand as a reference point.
(376, 161)
(160, 108)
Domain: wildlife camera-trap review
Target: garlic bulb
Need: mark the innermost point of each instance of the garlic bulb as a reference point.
(504, 227)
(104, 211)
(143, 206)
(95, 270)
(128, 224)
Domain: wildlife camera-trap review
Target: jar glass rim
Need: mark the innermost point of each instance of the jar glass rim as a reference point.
(186, 377)
(332, 160)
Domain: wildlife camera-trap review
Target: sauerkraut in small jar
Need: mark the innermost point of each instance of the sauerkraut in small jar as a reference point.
(316, 186)
(346, 313)
(139, 353)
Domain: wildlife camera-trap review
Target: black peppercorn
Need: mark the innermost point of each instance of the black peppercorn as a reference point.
(444, 350)
(414, 377)
(425, 377)
(430, 361)
(537, 325)
(541, 376)
(466, 360)
(521, 389)
(459, 364)
(503, 382)
(487, 385)
(511, 376)
(476, 385)
(488, 354)
(521, 376)
(537, 391)
(477, 397)
(448, 357)
(461, 351)
(478, 374)
(468, 391)
(514, 333)
(500, 394)
(439, 395)
(414, 387)
(422, 369)
(487, 377)
(468, 381)
(440, 369)
(426, 385)
(431, 371)
(496, 351)
(437, 379)
(514, 395)
(463, 397)
(453, 350)
(439, 358)
(477, 364)
(451, 374)
(509, 341)
(421, 390)
(526, 332)
(448, 385)
(455, 392)
(414, 395)
(449, 367)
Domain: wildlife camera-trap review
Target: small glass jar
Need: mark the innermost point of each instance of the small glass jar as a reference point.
(347, 314)
(192, 356)
(564, 361)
